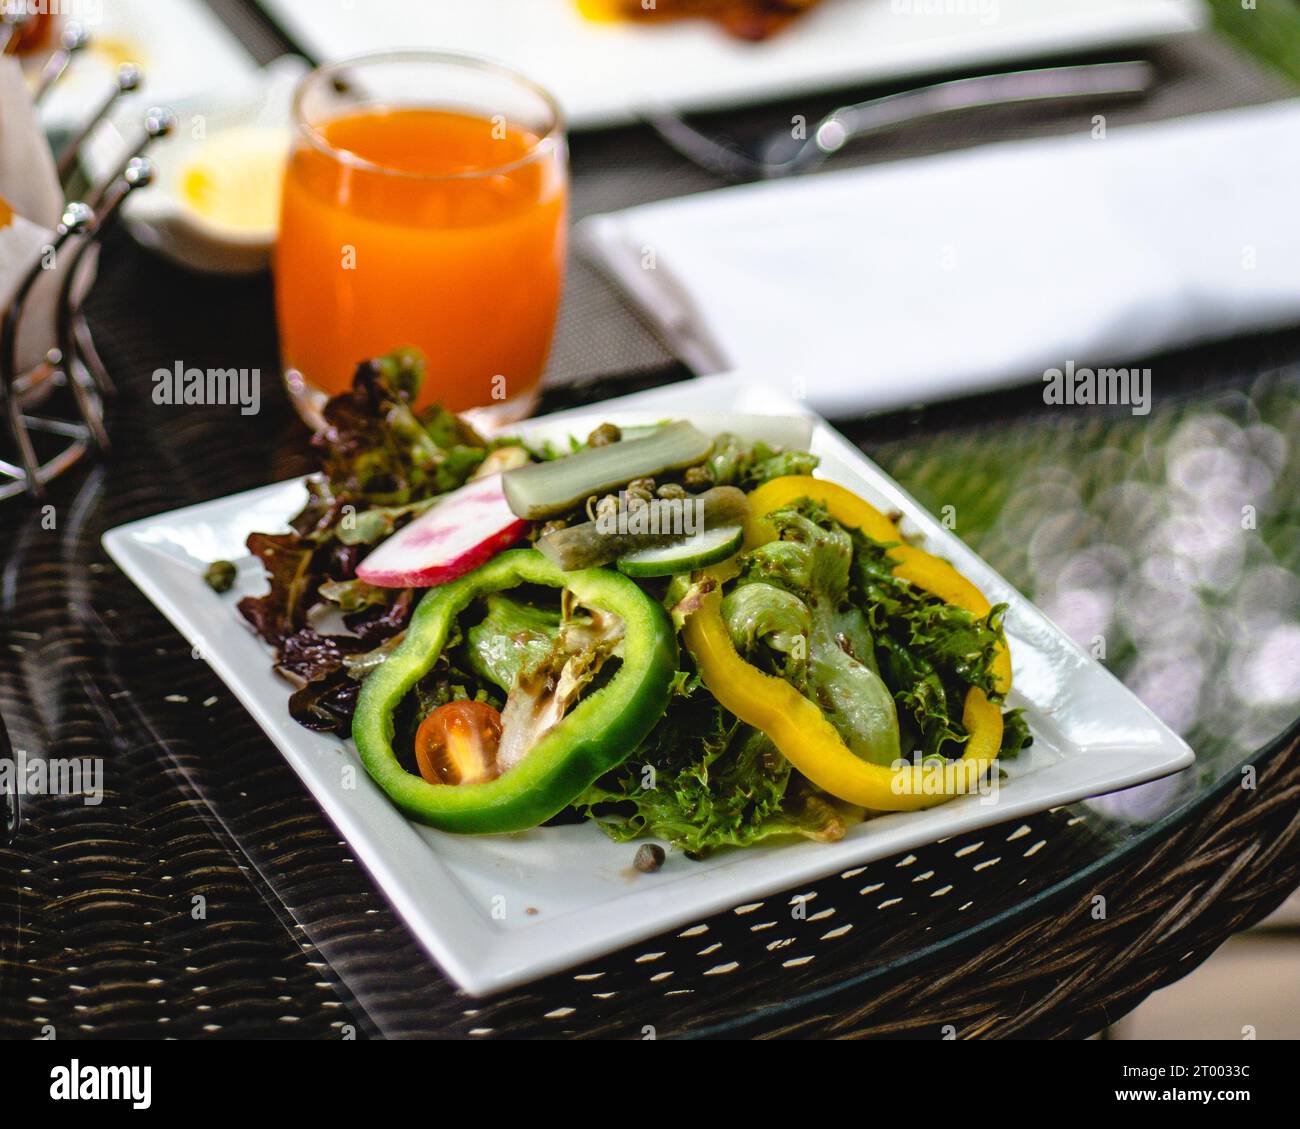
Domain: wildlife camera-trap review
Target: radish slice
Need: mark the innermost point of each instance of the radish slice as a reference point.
(464, 529)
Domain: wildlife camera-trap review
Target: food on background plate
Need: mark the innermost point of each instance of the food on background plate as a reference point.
(744, 19)
(677, 634)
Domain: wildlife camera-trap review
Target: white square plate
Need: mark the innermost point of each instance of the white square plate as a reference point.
(497, 911)
(609, 73)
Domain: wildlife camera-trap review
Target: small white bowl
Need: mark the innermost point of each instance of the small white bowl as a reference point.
(253, 119)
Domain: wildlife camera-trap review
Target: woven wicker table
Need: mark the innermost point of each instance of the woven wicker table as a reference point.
(207, 895)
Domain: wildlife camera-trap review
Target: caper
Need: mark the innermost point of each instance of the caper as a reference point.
(649, 858)
(607, 508)
(604, 435)
(552, 526)
(698, 478)
(640, 491)
(671, 491)
(220, 576)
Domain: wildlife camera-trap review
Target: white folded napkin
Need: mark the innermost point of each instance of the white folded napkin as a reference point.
(901, 283)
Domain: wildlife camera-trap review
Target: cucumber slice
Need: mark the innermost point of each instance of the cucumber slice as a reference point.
(589, 545)
(709, 547)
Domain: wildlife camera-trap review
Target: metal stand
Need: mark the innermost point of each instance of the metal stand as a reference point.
(72, 363)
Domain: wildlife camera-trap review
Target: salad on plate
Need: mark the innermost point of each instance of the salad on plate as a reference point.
(677, 633)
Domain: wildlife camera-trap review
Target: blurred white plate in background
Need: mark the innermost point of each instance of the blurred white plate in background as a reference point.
(181, 46)
(604, 73)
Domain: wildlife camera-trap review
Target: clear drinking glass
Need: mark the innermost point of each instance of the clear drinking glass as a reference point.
(425, 204)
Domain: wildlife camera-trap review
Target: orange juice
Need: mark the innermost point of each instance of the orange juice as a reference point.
(424, 227)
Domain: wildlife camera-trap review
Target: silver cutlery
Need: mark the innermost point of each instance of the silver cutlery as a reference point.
(786, 153)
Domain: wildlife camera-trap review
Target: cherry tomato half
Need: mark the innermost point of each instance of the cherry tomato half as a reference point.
(457, 744)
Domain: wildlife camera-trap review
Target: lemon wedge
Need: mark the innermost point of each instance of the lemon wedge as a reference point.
(232, 180)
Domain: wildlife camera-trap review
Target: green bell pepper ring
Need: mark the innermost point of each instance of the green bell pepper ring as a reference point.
(597, 734)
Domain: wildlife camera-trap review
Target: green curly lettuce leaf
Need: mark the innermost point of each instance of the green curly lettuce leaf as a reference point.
(878, 645)
(930, 653)
(943, 634)
(763, 618)
(376, 451)
(1015, 734)
(512, 636)
(704, 780)
(735, 462)
(354, 595)
(803, 577)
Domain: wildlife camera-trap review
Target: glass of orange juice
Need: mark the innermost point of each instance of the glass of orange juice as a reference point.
(425, 204)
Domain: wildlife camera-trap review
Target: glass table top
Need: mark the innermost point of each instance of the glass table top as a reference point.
(1167, 544)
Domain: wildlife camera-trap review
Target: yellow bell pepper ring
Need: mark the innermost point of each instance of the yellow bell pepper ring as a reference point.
(797, 726)
(842, 504)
